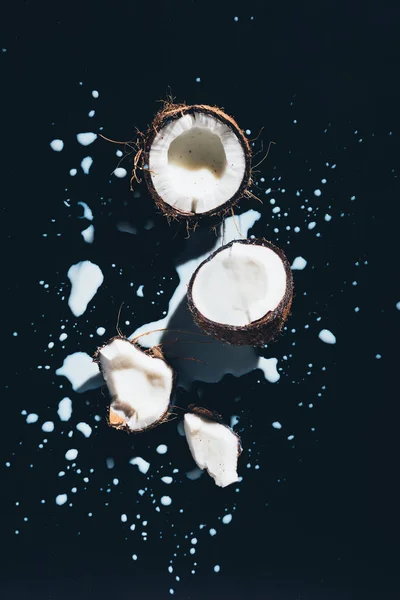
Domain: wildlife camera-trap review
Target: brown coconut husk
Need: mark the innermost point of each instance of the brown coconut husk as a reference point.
(113, 419)
(257, 333)
(168, 113)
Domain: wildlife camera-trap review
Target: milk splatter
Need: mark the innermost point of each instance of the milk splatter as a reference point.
(65, 409)
(85, 429)
(299, 264)
(142, 464)
(88, 234)
(327, 336)
(85, 278)
(57, 145)
(86, 164)
(85, 139)
(120, 172)
(81, 371)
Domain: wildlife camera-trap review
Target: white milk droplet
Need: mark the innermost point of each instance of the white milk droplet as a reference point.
(227, 519)
(88, 234)
(166, 500)
(142, 464)
(71, 454)
(86, 278)
(299, 264)
(276, 425)
(100, 331)
(84, 428)
(269, 367)
(32, 418)
(327, 336)
(61, 499)
(162, 449)
(86, 164)
(140, 291)
(48, 426)
(57, 145)
(317, 192)
(87, 211)
(95, 94)
(85, 139)
(65, 409)
(120, 172)
(167, 479)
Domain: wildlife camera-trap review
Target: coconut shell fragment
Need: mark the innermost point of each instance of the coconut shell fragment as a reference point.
(213, 445)
(242, 293)
(196, 162)
(140, 384)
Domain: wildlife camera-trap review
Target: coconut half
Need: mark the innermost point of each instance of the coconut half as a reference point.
(242, 293)
(196, 161)
(213, 445)
(140, 384)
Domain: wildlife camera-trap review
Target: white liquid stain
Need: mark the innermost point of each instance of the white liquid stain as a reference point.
(32, 418)
(81, 372)
(299, 264)
(142, 464)
(48, 426)
(61, 499)
(87, 211)
(85, 139)
(57, 145)
(86, 278)
(88, 234)
(65, 409)
(327, 336)
(84, 428)
(269, 368)
(71, 454)
(120, 172)
(86, 164)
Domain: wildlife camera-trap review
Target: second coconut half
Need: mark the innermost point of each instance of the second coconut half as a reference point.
(242, 293)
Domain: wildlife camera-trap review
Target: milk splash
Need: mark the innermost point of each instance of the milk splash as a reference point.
(211, 359)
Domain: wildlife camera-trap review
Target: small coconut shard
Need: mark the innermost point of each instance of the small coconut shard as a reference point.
(214, 447)
(140, 384)
(242, 293)
(196, 162)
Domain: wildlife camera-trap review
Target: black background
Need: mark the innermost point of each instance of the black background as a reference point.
(327, 532)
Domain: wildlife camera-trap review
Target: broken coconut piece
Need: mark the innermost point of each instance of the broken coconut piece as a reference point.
(140, 384)
(196, 162)
(242, 293)
(214, 446)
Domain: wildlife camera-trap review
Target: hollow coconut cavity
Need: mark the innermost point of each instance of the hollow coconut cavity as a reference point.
(196, 161)
(140, 384)
(213, 445)
(242, 293)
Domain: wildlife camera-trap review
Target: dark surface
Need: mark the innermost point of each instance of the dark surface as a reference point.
(325, 531)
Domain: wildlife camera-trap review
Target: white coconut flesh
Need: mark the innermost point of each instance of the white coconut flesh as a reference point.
(140, 385)
(239, 285)
(214, 447)
(197, 163)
